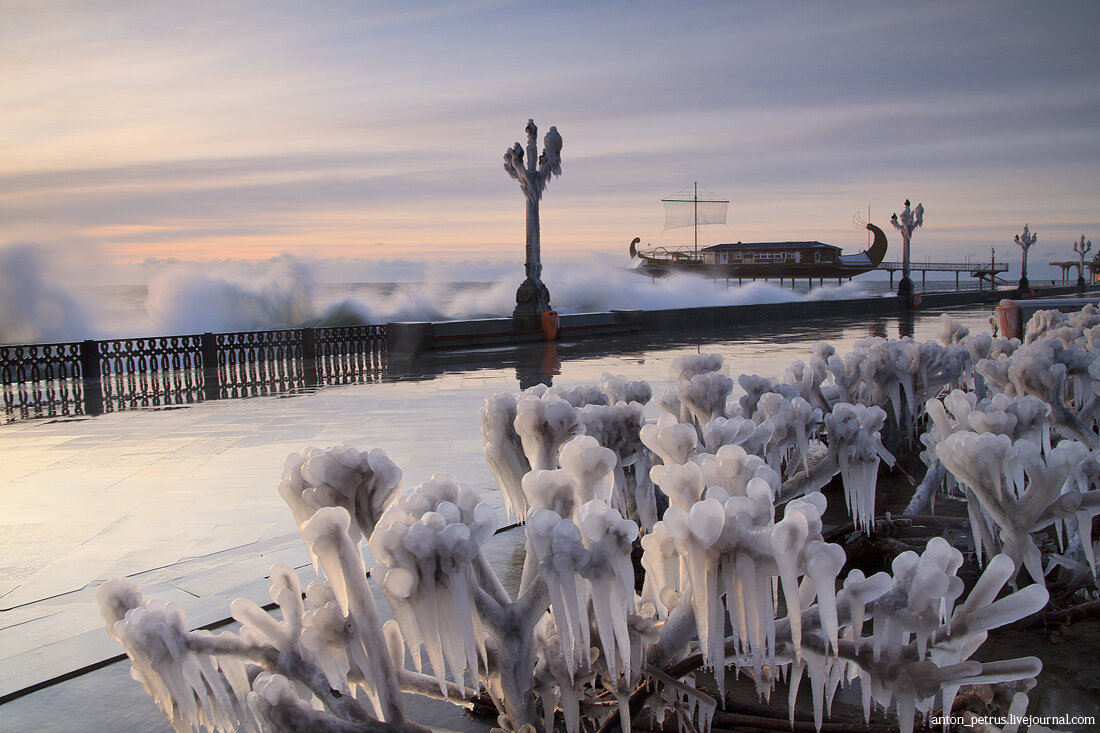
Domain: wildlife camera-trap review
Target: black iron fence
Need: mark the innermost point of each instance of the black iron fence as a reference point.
(92, 377)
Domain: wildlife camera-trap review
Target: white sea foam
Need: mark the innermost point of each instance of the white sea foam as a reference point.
(285, 292)
(187, 298)
(35, 305)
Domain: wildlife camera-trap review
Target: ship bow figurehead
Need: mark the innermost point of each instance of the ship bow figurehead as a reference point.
(877, 252)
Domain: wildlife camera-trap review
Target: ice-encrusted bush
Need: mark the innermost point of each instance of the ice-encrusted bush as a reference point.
(1025, 456)
(722, 497)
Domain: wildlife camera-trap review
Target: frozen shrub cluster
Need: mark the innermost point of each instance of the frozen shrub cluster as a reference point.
(1025, 456)
(721, 495)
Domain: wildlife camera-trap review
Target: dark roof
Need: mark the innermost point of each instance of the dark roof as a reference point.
(768, 245)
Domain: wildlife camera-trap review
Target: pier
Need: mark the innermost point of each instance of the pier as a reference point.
(982, 271)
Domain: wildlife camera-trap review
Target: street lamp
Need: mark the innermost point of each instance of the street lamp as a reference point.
(908, 221)
(1081, 248)
(532, 297)
(1025, 241)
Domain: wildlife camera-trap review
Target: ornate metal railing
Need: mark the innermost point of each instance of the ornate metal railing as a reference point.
(92, 377)
(48, 377)
(144, 372)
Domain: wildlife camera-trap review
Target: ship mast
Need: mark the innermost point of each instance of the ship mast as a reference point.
(695, 201)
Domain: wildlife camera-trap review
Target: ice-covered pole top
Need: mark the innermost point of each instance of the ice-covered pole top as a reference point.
(909, 220)
(1029, 238)
(1082, 247)
(533, 171)
(1025, 241)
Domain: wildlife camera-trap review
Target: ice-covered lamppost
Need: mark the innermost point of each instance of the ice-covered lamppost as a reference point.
(532, 297)
(1082, 248)
(1025, 241)
(908, 221)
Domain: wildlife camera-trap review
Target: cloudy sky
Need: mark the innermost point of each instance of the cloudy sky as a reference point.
(134, 129)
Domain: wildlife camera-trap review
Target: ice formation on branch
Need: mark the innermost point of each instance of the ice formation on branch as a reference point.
(363, 482)
(263, 678)
(620, 389)
(854, 438)
(1059, 375)
(504, 450)
(920, 602)
(1019, 490)
(426, 545)
(544, 424)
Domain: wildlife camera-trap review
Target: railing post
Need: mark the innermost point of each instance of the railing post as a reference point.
(91, 378)
(309, 357)
(211, 379)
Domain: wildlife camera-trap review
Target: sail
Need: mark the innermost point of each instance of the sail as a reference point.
(693, 206)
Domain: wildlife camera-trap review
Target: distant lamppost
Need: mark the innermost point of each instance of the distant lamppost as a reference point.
(1025, 241)
(908, 221)
(532, 297)
(1082, 248)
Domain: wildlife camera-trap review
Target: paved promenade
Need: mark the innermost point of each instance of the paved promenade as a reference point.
(186, 502)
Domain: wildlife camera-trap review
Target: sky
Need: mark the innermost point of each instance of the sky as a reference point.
(368, 133)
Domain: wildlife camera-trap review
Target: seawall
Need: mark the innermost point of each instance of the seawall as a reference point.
(409, 339)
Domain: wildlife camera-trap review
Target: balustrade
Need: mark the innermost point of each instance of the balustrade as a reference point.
(96, 376)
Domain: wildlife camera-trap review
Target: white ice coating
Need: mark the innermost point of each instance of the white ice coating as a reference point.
(671, 441)
(790, 421)
(577, 461)
(745, 432)
(362, 482)
(608, 538)
(544, 424)
(425, 546)
(952, 332)
(921, 603)
(1019, 491)
(617, 427)
(701, 390)
(504, 450)
(620, 389)
(189, 688)
(556, 545)
(1020, 418)
(1061, 376)
(704, 396)
(898, 376)
(731, 468)
(854, 438)
(209, 681)
(729, 546)
(581, 395)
